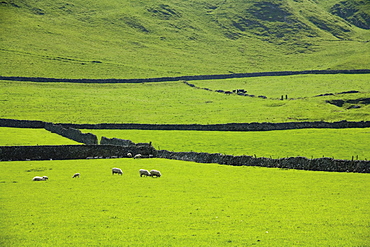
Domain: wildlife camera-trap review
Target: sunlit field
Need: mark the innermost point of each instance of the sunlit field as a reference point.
(31, 137)
(177, 103)
(190, 205)
(310, 143)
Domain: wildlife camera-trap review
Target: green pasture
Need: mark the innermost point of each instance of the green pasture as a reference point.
(190, 205)
(31, 137)
(296, 86)
(177, 103)
(310, 143)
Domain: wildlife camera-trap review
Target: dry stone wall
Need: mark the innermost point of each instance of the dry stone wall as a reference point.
(300, 163)
(72, 134)
(120, 148)
(209, 127)
(186, 78)
(226, 127)
(63, 152)
(4, 122)
(115, 141)
(122, 142)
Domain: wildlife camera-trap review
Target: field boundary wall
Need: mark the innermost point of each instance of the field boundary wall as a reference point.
(115, 141)
(186, 78)
(14, 123)
(114, 148)
(73, 134)
(227, 127)
(299, 163)
(63, 152)
(121, 142)
(206, 127)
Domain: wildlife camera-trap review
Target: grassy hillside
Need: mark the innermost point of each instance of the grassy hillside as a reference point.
(125, 39)
(176, 102)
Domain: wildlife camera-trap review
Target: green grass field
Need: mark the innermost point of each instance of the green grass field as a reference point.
(310, 143)
(175, 102)
(190, 205)
(31, 137)
(296, 87)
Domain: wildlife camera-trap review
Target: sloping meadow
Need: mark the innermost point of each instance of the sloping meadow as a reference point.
(190, 205)
(177, 103)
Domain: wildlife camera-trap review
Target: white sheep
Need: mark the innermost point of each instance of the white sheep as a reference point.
(116, 170)
(155, 173)
(37, 178)
(144, 172)
(137, 156)
(76, 175)
(129, 155)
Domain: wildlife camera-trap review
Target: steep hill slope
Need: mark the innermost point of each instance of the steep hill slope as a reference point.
(125, 39)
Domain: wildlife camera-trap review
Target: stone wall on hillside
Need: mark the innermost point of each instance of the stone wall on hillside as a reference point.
(187, 78)
(300, 163)
(206, 127)
(72, 134)
(115, 141)
(115, 147)
(226, 127)
(122, 142)
(4, 122)
(63, 152)
(11, 153)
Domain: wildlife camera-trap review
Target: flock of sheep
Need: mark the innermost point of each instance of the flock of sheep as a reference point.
(142, 172)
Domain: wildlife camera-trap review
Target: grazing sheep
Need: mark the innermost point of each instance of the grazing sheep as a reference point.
(138, 156)
(144, 172)
(76, 175)
(129, 155)
(116, 170)
(37, 178)
(155, 173)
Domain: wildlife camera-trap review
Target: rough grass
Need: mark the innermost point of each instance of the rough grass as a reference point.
(191, 205)
(31, 137)
(310, 143)
(296, 87)
(175, 102)
(121, 39)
